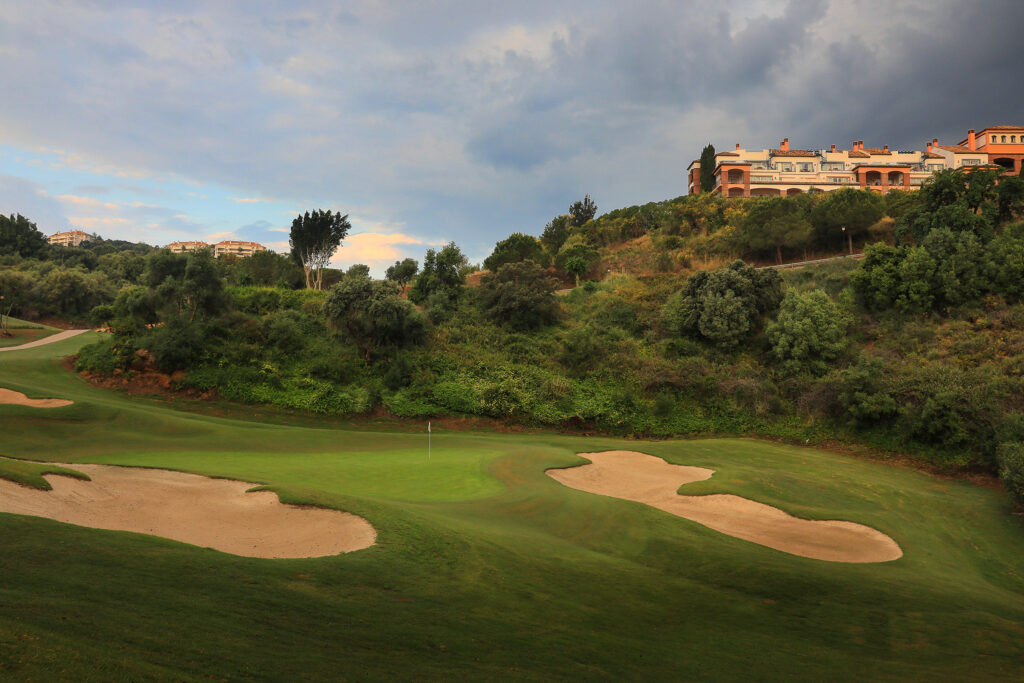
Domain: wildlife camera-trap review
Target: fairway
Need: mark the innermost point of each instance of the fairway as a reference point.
(484, 566)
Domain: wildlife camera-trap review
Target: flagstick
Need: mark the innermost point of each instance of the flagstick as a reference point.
(428, 440)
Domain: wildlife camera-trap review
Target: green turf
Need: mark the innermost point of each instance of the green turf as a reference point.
(31, 473)
(486, 568)
(23, 332)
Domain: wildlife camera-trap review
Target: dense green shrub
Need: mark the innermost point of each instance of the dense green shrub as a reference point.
(809, 333)
(723, 306)
(1011, 468)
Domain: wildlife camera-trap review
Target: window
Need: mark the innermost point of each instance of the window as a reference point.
(785, 167)
(805, 168)
(934, 167)
(971, 162)
(761, 179)
(839, 179)
(1013, 138)
(833, 166)
(1003, 138)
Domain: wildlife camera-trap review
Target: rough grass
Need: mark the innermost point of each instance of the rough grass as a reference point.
(486, 568)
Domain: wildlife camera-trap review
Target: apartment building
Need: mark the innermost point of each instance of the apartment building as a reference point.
(235, 248)
(786, 171)
(182, 247)
(72, 238)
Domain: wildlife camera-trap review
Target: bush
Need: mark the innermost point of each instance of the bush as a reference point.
(809, 334)
(1011, 468)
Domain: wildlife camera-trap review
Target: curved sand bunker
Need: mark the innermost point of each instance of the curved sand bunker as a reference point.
(647, 479)
(214, 513)
(16, 398)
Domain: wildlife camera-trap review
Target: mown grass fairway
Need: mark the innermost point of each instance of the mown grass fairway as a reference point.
(487, 568)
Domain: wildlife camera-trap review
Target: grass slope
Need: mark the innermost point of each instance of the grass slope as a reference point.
(487, 567)
(24, 332)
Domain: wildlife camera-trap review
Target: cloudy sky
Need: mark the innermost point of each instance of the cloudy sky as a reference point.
(434, 121)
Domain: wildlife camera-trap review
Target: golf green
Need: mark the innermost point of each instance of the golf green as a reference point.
(484, 566)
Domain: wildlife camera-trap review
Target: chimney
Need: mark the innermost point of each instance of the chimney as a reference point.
(860, 145)
(929, 148)
(784, 147)
(935, 142)
(885, 149)
(833, 148)
(970, 139)
(737, 146)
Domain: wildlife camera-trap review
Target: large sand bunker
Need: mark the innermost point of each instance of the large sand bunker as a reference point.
(647, 479)
(16, 398)
(214, 513)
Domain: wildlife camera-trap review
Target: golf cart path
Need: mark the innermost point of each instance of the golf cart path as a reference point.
(647, 479)
(66, 334)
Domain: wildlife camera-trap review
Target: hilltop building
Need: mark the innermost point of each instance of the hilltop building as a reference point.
(182, 247)
(786, 171)
(235, 248)
(72, 238)
(239, 249)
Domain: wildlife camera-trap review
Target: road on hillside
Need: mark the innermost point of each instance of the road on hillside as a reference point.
(66, 334)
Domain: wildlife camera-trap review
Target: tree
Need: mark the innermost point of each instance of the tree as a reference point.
(854, 210)
(314, 239)
(403, 271)
(520, 294)
(555, 233)
(20, 237)
(707, 168)
(513, 249)
(723, 306)
(582, 211)
(372, 315)
(773, 223)
(358, 270)
(185, 286)
(810, 331)
(442, 274)
(578, 266)
(269, 269)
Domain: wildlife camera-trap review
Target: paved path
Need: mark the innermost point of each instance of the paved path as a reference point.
(66, 334)
(797, 264)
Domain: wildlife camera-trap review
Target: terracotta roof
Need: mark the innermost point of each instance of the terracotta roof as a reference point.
(727, 154)
(1004, 128)
(874, 150)
(793, 153)
(855, 154)
(959, 149)
(70, 232)
(932, 155)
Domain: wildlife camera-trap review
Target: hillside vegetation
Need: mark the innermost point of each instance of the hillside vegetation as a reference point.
(918, 349)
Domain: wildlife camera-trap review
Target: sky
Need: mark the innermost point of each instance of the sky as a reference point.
(433, 121)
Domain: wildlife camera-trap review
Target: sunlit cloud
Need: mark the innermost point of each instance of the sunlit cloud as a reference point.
(86, 201)
(374, 249)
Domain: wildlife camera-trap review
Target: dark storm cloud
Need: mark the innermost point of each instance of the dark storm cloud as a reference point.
(468, 121)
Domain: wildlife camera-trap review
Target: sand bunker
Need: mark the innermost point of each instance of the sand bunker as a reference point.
(11, 397)
(214, 513)
(647, 479)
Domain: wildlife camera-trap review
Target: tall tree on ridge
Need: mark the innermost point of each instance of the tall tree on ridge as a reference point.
(314, 239)
(707, 168)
